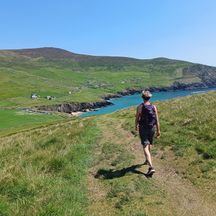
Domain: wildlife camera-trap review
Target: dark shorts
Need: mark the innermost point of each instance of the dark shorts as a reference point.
(146, 135)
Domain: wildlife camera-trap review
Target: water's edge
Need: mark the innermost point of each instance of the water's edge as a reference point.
(91, 106)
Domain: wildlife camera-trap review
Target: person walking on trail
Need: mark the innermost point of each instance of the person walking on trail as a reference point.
(147, 123)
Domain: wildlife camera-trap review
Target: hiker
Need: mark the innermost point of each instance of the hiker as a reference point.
(147, 122)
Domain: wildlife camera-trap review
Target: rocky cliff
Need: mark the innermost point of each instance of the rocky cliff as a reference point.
(74, 107)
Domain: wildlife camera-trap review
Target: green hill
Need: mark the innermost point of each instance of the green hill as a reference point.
(92, 166)
(56, 72)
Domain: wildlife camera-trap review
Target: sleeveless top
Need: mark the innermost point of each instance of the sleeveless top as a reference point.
(147, 116)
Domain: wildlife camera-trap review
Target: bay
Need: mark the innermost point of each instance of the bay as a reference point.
(134, 100)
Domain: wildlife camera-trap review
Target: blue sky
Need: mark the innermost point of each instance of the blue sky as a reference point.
(180, 29)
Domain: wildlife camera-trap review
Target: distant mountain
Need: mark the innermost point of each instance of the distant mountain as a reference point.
(52, 53)
(54, 71)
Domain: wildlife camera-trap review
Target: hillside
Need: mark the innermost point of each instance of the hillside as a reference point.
(93, 166)
(56, 72)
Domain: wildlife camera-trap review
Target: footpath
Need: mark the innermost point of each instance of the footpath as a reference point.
(118, 185)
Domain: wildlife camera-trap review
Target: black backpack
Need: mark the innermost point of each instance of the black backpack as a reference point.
(148, 116)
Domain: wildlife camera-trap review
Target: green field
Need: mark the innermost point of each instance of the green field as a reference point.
(92, 166)
(48, 71)
(14, 120)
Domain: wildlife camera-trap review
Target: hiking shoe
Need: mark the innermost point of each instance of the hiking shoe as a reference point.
(151, 171)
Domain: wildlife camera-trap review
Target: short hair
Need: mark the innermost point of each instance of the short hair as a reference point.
(146, 95)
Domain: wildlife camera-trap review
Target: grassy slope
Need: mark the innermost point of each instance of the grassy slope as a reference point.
(43, 172)
(87, 79)
(90, 166)
(13, 121)
(184, 158)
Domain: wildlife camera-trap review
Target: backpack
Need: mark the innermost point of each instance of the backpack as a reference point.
(148, 116)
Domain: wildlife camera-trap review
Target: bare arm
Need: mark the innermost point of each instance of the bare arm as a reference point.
(137, 118)
(158, 123)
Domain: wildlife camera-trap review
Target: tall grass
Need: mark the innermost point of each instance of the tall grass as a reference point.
(43, 172)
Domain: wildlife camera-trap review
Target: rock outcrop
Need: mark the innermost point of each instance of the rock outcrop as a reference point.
(74, 107)
(207, 74)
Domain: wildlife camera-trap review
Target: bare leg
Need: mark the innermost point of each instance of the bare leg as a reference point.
(147, 154)
(149, 146)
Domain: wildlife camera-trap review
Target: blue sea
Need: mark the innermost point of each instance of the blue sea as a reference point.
(134, 100)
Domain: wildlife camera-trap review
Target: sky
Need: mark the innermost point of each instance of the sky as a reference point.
(177, 29)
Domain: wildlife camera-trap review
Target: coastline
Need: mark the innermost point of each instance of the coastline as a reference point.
(73, 108)
(76, 109)
(174, 87)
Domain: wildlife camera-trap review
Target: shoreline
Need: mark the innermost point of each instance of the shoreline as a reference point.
(174, 87)
(76, 109)
(73, 108)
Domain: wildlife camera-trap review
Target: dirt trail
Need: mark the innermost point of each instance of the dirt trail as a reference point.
(186, 199)
(183, 196)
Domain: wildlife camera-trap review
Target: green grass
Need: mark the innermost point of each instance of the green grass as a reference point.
(44, 172)
(121, 180)
(14, 120)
